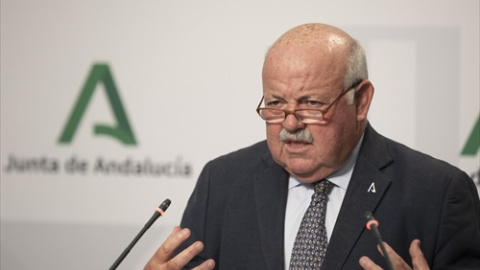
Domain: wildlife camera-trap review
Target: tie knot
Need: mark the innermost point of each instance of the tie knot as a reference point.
(323, 186)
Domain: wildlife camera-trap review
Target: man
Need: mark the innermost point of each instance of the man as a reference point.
(247, 207)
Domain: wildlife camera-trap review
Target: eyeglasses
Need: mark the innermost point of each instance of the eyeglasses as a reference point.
(306, 116)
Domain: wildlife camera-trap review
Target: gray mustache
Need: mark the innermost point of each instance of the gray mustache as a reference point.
(302, 135)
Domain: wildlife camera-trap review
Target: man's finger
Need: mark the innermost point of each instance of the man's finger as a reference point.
(206, 265)
(162, 259)
(368, 264)
(397, 262)
(418, 259)
(165, 251)
(185, 256)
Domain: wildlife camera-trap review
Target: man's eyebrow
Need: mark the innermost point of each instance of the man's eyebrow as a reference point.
(317, 97)
(274, 97)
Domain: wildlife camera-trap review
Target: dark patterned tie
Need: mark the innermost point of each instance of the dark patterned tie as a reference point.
(311, 242)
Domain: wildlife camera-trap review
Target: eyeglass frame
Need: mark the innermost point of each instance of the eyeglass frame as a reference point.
(323, 112)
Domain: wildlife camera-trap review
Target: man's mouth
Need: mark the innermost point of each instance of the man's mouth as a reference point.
(296, 142)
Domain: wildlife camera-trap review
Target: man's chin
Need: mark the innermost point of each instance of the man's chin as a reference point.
(306, 173)
(302, 173)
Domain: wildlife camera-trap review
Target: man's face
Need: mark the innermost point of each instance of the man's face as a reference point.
(301, 77)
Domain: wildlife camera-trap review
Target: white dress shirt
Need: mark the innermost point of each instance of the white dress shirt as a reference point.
(300, 194)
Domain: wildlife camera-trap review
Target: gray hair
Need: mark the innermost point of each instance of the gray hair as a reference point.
(356, 67)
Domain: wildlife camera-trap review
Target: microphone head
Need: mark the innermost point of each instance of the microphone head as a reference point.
(165, 204)
(371, 222)
(368, 215)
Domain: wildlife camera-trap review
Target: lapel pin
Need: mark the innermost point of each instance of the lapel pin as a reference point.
(372, 188)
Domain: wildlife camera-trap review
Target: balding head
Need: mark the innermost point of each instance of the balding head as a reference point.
(315, 34)
(305, 44)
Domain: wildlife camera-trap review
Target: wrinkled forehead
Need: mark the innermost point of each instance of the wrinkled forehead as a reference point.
(305, 60)
(307, 45)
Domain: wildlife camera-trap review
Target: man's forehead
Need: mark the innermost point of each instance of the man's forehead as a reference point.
(301, 48)
(304, 62)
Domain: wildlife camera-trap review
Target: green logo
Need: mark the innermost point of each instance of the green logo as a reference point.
(100, 73)
(473, 142)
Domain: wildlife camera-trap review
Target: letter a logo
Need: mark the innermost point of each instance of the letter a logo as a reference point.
(100, 73)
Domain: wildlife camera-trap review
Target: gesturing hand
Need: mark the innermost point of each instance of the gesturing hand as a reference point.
(418, 260)
(162, 259)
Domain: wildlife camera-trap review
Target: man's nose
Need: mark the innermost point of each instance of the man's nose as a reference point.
(291, 123)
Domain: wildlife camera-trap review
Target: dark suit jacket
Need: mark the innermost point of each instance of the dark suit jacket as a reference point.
(238, 208)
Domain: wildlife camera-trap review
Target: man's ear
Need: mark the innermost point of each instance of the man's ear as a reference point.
(363, 99)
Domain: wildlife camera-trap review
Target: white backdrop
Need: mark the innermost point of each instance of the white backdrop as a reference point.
(188, 75)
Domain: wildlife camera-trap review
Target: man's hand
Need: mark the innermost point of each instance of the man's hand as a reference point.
(418, 260)
(162, 259)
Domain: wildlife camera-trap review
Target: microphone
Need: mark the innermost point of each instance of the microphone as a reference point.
(372, 225)
(159, 211)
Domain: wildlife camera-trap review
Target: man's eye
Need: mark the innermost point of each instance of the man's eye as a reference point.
(274, 103)
(314, 103)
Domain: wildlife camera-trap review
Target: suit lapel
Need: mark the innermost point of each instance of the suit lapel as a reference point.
(271, 190)
(364, 193)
